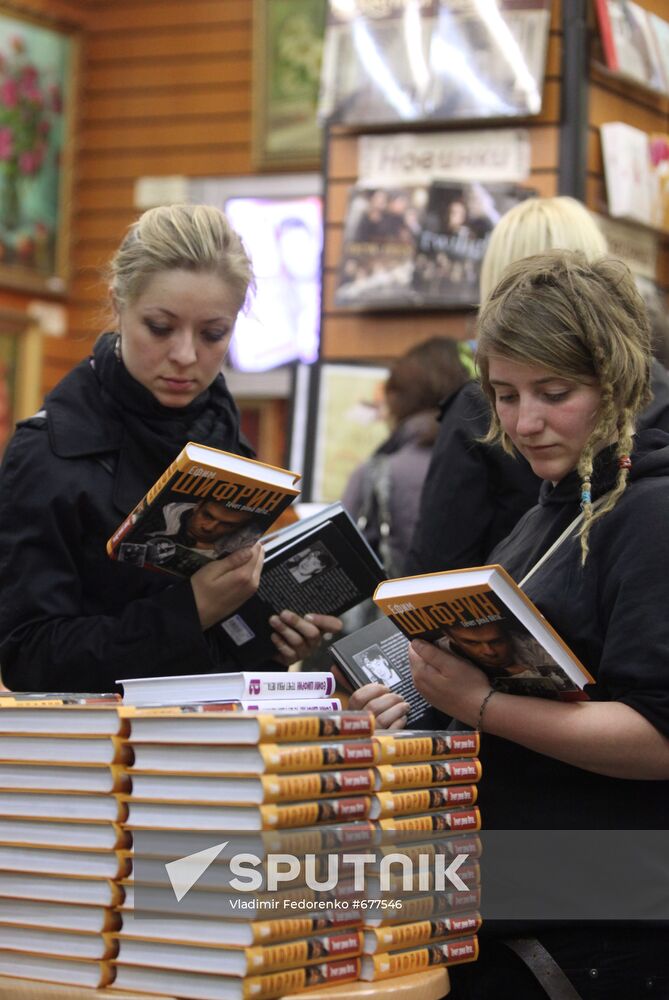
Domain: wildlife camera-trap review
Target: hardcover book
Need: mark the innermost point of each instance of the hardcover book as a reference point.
(484, 616)
(240, 962)
(20, 883)
(205, 723)
(68, 971)
(447, 772)
(219, 688)
(660, 31)
(632, 185)
(421, 800)
(267, 758)
(233, 933)
(628, 43)
(401, 963)
(197, 984)
(66, 916)
(378, 653)
(320, 564)
(207, 504)
(251, 790)
(170, 815)
(385, 939)
(414, 745)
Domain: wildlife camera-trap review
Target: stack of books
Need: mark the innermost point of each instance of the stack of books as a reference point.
(61, 776)
(425, 802)
(216, 796)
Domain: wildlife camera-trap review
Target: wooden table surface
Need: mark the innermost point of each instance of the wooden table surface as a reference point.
(432, 984)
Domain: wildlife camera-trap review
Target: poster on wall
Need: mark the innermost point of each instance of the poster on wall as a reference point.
(425, 60)
(37, 83)
(288, 46)
(419, 246)
(348, 424)
(282, 322)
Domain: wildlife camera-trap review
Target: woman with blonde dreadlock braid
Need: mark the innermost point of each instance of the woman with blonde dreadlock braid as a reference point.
(564, 356)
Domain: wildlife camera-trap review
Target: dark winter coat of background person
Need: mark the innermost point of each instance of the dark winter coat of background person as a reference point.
(383, 493)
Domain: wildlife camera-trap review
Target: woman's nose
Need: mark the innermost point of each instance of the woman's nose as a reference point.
(529, 419)
(182, 348)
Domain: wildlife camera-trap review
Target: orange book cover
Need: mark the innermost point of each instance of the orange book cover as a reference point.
(410, 745)
(421, 800)
(401, 963)
(390, 777)
(206, 504)
(482, 615)
(399, 936)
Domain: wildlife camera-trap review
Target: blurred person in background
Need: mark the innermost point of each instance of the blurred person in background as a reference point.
(383, 493)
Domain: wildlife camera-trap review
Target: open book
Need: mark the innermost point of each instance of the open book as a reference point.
(320, 564)
(484, 616)
(207, 504)
(378, 653)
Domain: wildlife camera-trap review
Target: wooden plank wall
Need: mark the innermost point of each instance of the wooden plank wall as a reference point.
(347, 334)
(166, 89)
(615, 100)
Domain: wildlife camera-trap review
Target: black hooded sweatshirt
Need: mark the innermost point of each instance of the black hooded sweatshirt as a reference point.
(614, 614)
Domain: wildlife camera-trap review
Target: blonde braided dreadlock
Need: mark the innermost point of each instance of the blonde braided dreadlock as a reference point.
(583, 321)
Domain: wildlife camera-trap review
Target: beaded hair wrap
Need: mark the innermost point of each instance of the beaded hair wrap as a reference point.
(586, 493)
(624, 462)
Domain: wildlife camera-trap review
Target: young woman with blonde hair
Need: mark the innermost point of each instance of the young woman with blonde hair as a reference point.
(564, 355)
(70, 618)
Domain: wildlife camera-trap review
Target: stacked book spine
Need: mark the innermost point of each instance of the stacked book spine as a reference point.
(209, 786)
(61, 777)
(426, 800)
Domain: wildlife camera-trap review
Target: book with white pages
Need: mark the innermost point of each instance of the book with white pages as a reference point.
(45, 888)
(69, 836)
(64, 916)
(189, 688)
(44, 861)
(68, 971)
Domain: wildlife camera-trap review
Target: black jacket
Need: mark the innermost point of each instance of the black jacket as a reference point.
(474, 494)
(71, 619)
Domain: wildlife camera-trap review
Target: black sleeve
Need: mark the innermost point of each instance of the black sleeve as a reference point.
(633, 606)
(656, 414)
(474, 493)
(456, 506)
(47, 641)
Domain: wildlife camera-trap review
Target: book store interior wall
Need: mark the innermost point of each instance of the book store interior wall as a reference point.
(160, 100)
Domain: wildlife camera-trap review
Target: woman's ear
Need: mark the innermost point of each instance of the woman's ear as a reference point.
(114, 305)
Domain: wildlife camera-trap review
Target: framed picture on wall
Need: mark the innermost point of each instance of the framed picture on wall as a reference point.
(345, 425)
(38, 65)
(287, 48)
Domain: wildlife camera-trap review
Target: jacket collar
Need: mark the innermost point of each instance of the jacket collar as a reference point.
(79, 423)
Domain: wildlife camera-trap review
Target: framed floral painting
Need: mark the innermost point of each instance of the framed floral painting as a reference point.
(287, 46)
(37, 84)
